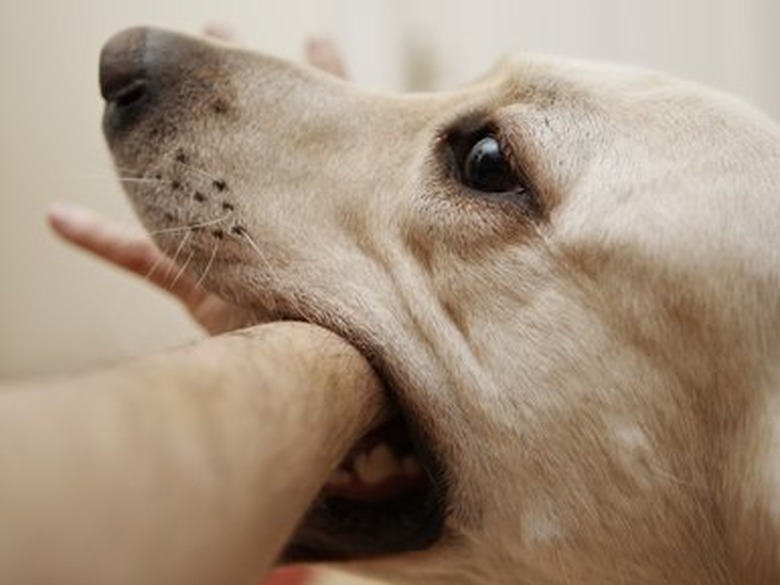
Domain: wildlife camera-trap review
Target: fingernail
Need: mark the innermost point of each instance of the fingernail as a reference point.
(69, 215)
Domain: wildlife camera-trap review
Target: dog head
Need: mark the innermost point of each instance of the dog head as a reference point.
(567, 274)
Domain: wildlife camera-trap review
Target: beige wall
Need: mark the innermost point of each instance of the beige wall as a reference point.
(61, 310)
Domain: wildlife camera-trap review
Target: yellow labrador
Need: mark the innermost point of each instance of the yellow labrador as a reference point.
(567, 275)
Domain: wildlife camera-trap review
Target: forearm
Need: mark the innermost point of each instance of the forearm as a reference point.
(190, 467)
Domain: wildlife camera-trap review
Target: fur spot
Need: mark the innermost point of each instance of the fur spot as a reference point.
(633, 453)
(541, 525)
(220, 106)
(220, 185)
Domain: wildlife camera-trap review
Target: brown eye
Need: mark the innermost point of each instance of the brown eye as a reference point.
(486, 168)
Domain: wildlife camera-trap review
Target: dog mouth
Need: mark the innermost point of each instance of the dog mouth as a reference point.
(386, 497)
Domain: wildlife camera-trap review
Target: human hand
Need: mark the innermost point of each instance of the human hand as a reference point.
(136, 253)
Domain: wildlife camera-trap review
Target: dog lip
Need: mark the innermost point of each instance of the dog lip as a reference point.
(330, 531)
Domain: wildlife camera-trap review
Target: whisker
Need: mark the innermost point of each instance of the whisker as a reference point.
(181, 271)
(198, 171)
(140, 180)
(155, 265)
(208, 264)
(175, 256)
(293, 300)
(164, 155)
(124, 170)
(191, 227)
(122, 178)
(255, 247)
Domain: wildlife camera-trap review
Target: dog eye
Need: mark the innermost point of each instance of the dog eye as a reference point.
(486, 168)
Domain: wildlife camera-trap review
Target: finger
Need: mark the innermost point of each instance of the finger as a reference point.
(136, 253)
(130, 250)
(323, 54)
(122, 247)
(222, 31)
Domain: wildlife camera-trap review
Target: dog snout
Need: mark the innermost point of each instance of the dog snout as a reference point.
(141, 67)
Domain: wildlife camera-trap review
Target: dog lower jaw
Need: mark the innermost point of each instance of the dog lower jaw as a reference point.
(348, 525)
(348, 530)
(339, 528)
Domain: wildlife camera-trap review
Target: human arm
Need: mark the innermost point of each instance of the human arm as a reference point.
(191, 467)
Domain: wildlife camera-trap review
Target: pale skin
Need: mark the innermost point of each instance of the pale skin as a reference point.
(183, 467)
(192, 466)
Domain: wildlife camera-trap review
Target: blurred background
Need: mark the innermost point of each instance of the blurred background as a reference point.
(61, 310)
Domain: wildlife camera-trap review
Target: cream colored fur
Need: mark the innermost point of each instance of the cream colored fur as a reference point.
(601, 383)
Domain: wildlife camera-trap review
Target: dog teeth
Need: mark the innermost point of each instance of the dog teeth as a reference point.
(377, 465)
(374, 467)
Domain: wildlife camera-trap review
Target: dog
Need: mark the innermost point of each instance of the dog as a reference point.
(567, 275)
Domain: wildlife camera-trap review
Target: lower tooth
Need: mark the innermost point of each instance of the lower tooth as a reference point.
(378, 465)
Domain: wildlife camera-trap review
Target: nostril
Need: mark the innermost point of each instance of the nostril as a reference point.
(122, 67)
(131, 93)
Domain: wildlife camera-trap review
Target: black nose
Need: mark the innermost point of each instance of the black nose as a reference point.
(123, 73)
